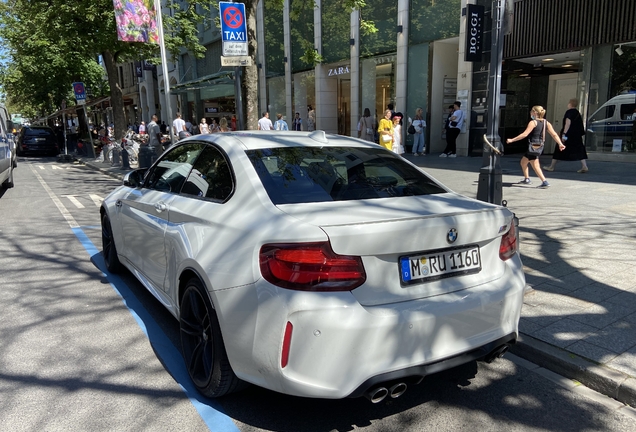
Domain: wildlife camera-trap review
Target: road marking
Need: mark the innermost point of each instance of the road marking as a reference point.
(169, 355)
(67, 215)
(75, 201)
(41, 167)
(59, 167)
(97, 199)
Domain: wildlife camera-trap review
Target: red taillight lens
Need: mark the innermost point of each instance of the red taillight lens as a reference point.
(284, 356)
(310, 267)
(508, 245)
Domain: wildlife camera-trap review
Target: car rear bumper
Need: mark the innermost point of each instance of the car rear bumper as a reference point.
(340, 349)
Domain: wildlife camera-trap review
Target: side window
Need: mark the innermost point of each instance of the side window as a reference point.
(627, 111)
(210, 177)
(604, 113)
(173, 168)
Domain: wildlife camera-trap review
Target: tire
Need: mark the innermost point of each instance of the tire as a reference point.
(109, 251)
(202, 344)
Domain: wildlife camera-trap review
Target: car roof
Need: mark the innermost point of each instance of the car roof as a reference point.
(254, 140)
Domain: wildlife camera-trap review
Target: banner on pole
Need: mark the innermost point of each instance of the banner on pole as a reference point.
(136, 21)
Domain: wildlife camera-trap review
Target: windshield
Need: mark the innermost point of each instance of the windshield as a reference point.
(311, 174)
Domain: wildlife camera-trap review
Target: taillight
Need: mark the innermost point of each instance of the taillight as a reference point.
(310, 267)
(508, 245)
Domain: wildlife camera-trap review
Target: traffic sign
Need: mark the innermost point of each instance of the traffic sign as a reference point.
(236, 61)
(80, 93)
(233, 29)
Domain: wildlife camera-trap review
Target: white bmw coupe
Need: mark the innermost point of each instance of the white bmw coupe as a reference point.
(315, 265)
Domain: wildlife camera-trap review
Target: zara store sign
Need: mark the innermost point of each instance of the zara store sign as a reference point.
(340, 70)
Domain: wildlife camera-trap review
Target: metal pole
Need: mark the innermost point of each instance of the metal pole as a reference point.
(164, 68)
(239, 99)
(490, 180)
(90, 136)
(64, 131)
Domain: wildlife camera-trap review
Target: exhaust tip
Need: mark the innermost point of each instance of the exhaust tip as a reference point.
(397, 390)
(377, 395)
(497, 353)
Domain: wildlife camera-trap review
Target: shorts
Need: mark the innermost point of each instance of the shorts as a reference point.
(531, 157)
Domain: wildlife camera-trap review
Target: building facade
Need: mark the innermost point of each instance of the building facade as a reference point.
(555, 51)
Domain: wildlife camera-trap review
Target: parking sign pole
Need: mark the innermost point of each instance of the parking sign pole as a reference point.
(164, 68)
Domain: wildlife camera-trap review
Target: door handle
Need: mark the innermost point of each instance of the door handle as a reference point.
(160, 206)
(118, 203)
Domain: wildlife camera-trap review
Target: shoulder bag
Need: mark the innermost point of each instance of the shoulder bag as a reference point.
(536, 145)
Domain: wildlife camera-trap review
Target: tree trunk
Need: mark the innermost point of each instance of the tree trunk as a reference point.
(249, 83)
(116, 95)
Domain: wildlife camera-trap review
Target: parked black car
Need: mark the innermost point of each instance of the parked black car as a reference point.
(38, 139)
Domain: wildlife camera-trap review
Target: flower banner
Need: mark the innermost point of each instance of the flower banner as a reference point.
(136, 21)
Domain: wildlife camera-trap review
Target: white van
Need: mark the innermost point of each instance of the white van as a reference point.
(7, 150)
(614, 120)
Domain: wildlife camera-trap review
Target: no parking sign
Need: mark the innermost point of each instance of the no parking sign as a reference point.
(233, 29)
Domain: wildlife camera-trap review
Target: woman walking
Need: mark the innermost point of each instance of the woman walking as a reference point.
(385, 129)
(572, 134)
(418, 138)
(365, 126)
(536, 128)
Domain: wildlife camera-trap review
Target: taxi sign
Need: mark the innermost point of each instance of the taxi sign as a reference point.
(80, 93)
(233, 29)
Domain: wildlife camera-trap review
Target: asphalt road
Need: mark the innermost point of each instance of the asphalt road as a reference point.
(83, 350)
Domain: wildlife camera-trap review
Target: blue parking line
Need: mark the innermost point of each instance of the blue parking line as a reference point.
(169, 355)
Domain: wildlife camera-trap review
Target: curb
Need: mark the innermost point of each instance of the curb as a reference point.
(602, 379)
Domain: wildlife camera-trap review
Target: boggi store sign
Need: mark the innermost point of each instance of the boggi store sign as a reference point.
(474, 32)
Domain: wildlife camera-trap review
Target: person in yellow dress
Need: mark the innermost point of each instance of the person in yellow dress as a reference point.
(385, 129)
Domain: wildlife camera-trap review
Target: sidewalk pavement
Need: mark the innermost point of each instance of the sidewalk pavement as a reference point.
(578, 246)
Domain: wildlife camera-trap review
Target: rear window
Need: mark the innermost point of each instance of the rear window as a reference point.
(39, 132)
(309, 174)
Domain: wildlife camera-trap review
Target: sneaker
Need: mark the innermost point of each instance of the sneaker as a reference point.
(525, 181)
(443, 155)
(582, 170)
(452, 155)
(545, 184)
(416, 154)
(548, 168)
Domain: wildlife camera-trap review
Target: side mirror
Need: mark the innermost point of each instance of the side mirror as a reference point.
(10, 126)
(135, 178)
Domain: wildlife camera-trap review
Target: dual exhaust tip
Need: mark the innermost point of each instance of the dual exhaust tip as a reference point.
(378, 394)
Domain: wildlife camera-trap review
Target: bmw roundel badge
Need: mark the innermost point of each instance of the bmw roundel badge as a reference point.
(452, 235)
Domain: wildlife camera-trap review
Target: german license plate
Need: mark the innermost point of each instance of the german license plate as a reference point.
(440, 264)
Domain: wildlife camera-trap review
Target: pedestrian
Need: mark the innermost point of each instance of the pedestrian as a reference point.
(265, 123)
(455, 124)
(179, 127)
(163, 127)
(572, 134)
(233, 123)
(142, 128)
(203, 126)
(155, 136)
(536, 128)
(311, 119)
(397, 146)
(365, 126)
(213, 127)
(385, 129)
(223, 126)
(297, 123)
(280, 124)
(419, 124)
(391, 107)
(188, 124)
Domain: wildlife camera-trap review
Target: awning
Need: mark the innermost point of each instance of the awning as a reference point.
(217, 79)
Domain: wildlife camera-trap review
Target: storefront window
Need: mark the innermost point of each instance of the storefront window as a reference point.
(302, 32)
(384, 15)
(336, 25)
(304, 95)
(430, 21)
(377, 84)
(611, 109)
(274, 41)
(276, 97)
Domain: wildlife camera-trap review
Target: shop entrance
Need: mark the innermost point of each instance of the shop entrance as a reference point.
(344, 106)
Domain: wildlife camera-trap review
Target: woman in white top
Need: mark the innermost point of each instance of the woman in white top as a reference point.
(397, 133)
(203, 127)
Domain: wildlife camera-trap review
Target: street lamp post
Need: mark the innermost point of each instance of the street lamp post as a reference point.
(490, 182)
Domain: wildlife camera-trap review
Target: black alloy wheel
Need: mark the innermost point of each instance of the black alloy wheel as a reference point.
(109, 251)
(202, 344)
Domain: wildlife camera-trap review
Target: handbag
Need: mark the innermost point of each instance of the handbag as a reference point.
(453, 123)
(386, 138)
(411, 130)
(535, 148)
